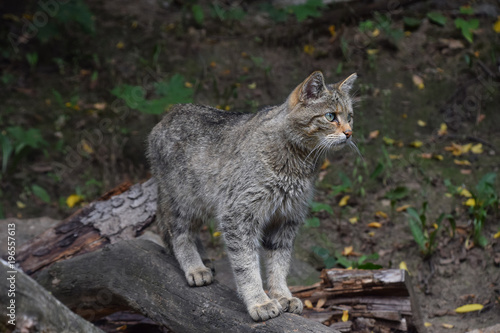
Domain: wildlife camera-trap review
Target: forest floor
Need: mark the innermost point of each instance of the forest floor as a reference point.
(426, 123)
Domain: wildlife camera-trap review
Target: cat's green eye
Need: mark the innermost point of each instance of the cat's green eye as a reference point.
(330, 116)
(349, 117)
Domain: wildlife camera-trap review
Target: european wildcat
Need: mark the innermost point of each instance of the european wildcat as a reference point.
(255, 173)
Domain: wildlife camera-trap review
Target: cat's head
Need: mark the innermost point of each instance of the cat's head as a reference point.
(320, 116)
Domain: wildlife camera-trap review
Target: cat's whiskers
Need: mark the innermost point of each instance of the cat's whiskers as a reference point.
(354, 147)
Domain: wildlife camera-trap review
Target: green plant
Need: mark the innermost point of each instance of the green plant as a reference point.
(16, 141)
(467, 27)
(312, 8)
(484, 199)
(423, 233)
(437, 18)
(396, 194)
(316, 207)
(71, 14)
(228, 13)
(170, 92)
(32, 60)
(41, 193)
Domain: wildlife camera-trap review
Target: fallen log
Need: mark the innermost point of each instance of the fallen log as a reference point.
(381, 299)
(138, 275)
(30, 308)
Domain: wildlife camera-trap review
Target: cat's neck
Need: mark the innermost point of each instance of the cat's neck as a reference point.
(285, 154)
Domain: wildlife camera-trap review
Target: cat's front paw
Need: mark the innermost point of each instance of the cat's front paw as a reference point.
(199, 277)
(292, 304)
(265, 311)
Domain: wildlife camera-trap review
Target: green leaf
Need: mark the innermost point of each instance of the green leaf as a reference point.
(318, 207)
(313, 222)
(437, 18)
(309, 9)
(398, 193)
(466, 10)
(40, 193)
(198, 15)
(378, 170)
(411, 22)
(321, 252)
(481, 240)
(416, 229)
(369, 265)
(467, 27)
(175, 90)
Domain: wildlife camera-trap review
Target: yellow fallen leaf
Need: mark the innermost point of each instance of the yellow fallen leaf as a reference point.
(402, 208)
(20, 205)
(448, 195)
(447, 325)
(308, 49)
(216, 234)
(73, 199)
(227, 107)
(418, 81)
(252, 85)
(344, 200)
(308, 304)
(402, 265)
(374, 225)
(497, 235)
(371, 233)
(372, 51)
(421, 123)
(496, 26)
(213, 64)
(461, 162)
(332, 31)
(120, 45)
(477, 149)
(399, 85)
(464, 192)
(407, 33)
(457, 149)
(443, 129)
(85, 146)
(469, 308)
(347, 251)
(325, 164)
(437, 157)
(349, 268)
(320, 303)
(388, 141)
(381, 214)
(435, 226)
(416, 144)
(373, 134)
(188, 84)
(375, 32)
(345, 316)
(395, 157)
(353, 220)
(427, 324)
(470, 202)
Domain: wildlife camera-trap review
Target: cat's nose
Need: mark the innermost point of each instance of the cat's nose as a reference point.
(348, 133)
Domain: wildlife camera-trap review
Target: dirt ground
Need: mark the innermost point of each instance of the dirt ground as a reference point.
(412, 79)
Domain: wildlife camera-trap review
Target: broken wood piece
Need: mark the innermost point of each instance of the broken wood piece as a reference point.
(381, 299)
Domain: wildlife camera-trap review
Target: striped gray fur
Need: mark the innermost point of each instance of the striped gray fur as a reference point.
(255, 174)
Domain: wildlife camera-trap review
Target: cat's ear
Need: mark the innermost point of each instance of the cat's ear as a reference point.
(346, 85)
(311, 88)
